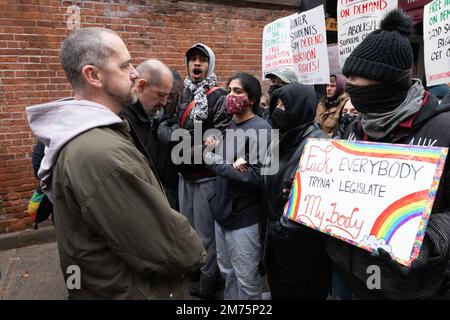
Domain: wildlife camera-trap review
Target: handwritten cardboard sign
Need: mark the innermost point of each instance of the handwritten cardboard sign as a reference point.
(368, 194)
(299, 42)
(309, 46)
(356, 19)
(436, 38)
(276, 45)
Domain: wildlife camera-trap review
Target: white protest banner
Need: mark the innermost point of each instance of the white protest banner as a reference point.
(436, 38)
(356, 19)
(309, 46)
(298, 42)
(333, 58)
(276, 46)
(368, 194)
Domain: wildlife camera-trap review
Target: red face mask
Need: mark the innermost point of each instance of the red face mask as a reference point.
(236, 104)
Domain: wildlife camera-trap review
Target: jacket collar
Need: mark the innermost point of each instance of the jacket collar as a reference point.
(139, 111)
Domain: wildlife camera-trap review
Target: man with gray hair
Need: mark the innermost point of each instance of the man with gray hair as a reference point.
(112, 220)
(151, 91)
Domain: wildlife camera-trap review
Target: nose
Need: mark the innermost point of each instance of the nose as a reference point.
(134, 75)
(163, 101)
(197, 62)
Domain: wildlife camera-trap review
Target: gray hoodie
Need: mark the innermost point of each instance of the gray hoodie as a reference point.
(112, 219)
(56, 123)
(207, 50)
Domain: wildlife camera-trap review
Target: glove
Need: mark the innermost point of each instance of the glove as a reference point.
(391, 264)
(417, 264)
(289, 224)
(287, 185)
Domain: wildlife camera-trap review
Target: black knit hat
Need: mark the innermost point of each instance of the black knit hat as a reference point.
(385, 53)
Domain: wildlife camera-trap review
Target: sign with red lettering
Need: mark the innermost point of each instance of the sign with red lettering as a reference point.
(356, 19)
(436, 38)
(372, 195)
(309, 46)
(298, 42)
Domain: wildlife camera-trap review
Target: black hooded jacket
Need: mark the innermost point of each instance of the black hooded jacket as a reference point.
(297, 252)
(300, 104)
(429, 127)
(299, 101)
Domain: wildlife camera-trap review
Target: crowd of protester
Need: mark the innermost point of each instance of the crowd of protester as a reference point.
(138, 223)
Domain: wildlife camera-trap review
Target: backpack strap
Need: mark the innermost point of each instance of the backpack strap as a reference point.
(191, 106)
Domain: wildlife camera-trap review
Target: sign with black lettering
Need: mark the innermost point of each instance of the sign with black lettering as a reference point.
(436, 38)
(372, 195)
(356, 19)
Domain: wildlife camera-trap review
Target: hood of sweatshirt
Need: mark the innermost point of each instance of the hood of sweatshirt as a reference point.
(340, 86)
(208, 52)
(56, 123)
(299, 100)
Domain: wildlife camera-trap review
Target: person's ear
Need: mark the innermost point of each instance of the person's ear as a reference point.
(140, 84)
(92, 75)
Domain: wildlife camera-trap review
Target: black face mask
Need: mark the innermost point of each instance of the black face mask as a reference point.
(376, 98)
(281, 120)
(273, 87)
(345, 120)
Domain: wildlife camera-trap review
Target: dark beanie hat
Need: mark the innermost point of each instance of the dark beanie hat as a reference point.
(384, 53)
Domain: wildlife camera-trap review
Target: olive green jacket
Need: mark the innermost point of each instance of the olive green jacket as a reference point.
(112, 219)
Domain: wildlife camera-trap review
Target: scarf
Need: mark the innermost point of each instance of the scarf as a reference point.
(379, 125)
(200, 111)
(381, 97)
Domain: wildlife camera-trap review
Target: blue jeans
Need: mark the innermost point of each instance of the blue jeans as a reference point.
(238, 255)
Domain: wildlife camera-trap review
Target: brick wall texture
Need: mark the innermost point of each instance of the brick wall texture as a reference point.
(31, 32)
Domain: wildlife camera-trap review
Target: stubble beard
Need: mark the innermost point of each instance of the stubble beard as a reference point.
(122, 100)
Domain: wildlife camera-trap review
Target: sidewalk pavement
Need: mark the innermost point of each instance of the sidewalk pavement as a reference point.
(32, 273)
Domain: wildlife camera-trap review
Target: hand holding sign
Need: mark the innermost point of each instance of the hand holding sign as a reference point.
(420, 262)
(287, 185)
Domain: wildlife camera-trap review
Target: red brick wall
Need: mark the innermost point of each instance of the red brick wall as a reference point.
(31, 32)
